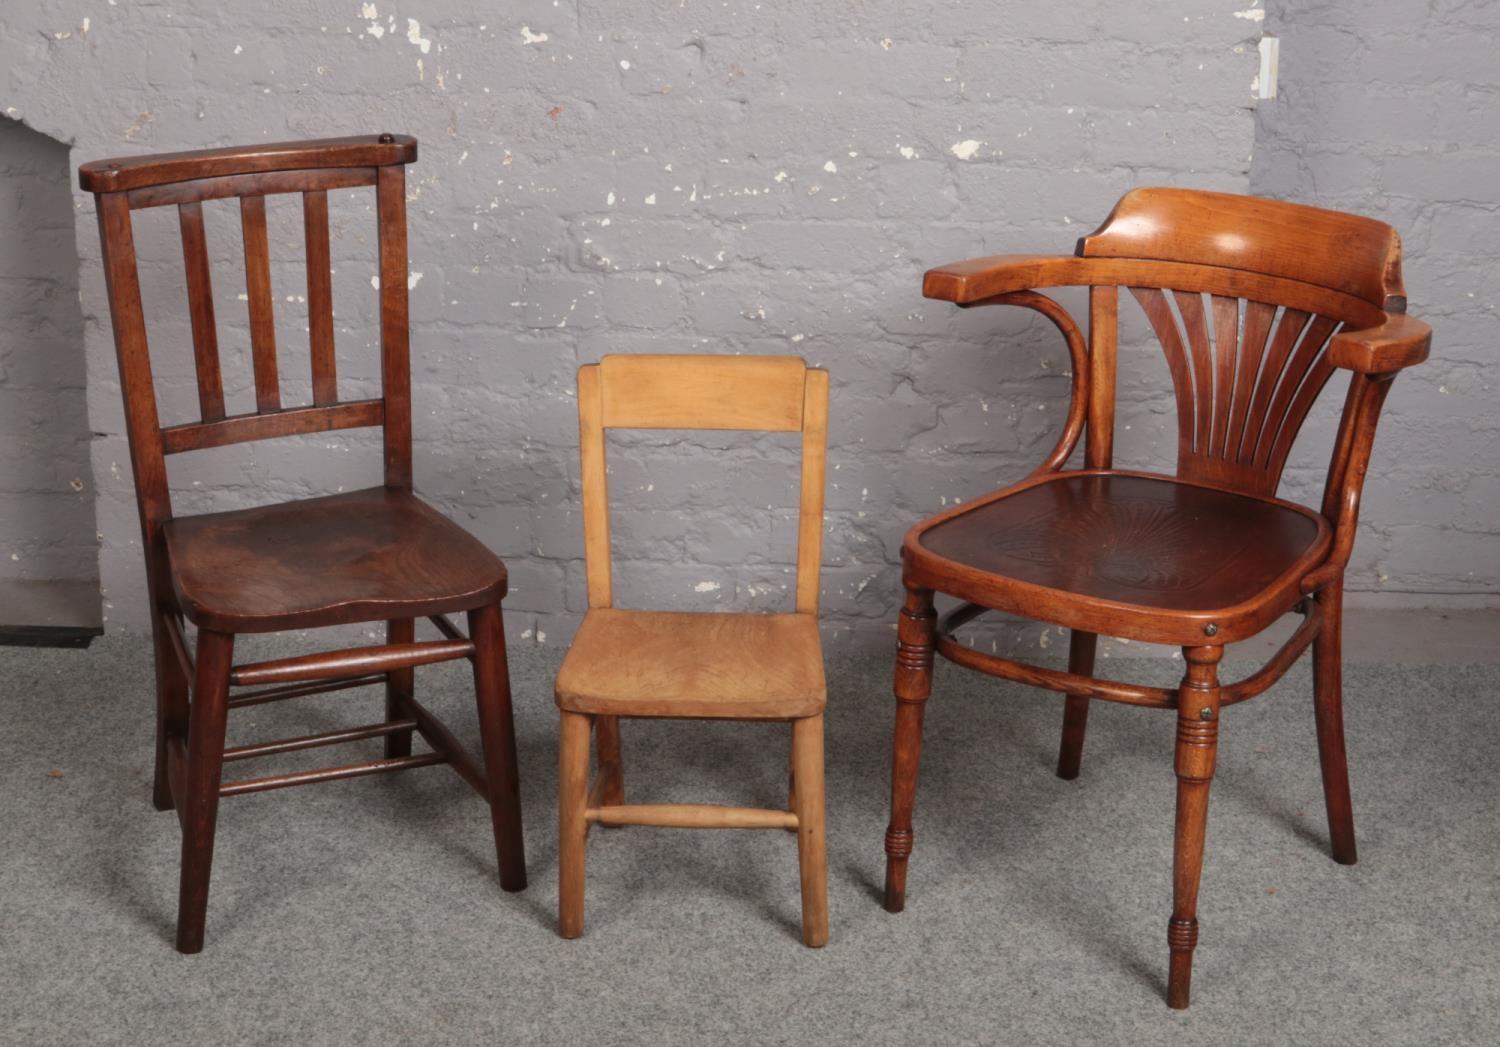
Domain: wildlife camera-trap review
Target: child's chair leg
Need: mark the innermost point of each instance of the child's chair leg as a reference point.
(812, 852)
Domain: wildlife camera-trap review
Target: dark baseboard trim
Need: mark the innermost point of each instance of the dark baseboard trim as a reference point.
(48, 635)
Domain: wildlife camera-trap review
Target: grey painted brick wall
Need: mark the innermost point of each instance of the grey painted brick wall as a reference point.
(46, 491)
(1392, 109)
(634, 176)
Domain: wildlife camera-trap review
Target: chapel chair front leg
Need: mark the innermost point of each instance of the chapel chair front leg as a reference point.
(172, 690)
(199, 803)
(573, 828)
(400, 686)
(1328, 707)
(812, 845)
(914, 649)
(1197, 747)
(1081, 648)
(497, 731)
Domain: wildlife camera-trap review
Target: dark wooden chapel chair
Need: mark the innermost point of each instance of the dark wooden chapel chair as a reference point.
(374, 555)
(1256, 304)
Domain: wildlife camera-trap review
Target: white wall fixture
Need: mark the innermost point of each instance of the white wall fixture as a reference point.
(1270, 58)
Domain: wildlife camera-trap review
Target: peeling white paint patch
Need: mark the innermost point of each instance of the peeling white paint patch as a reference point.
(651, 200)
(375, 29)
(706, 587)
(907, 152)
(412, 279)
(238, 48)
(414, 35)
(610, 199)
(375, 282)
(887, 43)
(1253, 14)
(368, 11)
(780, 176)
(83, 27)
(624, 63)
(831, 167)
(528, 37)
(964, 150)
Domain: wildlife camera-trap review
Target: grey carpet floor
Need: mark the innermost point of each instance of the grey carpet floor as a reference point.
(368, 911)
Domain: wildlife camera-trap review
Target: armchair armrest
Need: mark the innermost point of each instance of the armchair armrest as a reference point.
(1399, 342)
(973, 281)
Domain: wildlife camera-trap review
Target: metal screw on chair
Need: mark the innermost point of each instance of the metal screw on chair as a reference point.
(1210, 629)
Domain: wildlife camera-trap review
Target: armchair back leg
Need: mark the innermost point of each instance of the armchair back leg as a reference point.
(1081, 648)
(1328, 705)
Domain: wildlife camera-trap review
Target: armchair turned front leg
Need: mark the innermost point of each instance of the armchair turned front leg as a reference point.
(913, 685)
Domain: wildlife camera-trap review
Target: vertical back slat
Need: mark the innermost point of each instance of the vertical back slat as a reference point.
(1258, 317)
(595, 486)
(1159, 313)
(1308, 365)
(1104, 315)
(258, 290)
(395, 358)
(200, 291)
(1288, 329)
(319, 297)
(1190, 305)
(814, 480)
(1226, 353)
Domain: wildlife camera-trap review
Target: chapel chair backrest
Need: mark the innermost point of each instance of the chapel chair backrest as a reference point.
(248, 175)
(1246, 295)
(759, 393)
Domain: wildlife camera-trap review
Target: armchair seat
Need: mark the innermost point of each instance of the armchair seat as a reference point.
(1162, 557)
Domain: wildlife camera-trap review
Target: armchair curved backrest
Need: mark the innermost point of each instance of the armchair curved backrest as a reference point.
(1256, 304)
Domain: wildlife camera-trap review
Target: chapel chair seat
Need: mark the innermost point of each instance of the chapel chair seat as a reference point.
(694, 665)
(368, 555)
(1173, 556)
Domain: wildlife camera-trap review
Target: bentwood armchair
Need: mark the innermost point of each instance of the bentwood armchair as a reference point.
(375, 555)
(1257, 305)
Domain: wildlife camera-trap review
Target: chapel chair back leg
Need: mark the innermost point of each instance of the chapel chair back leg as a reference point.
(1081, 648)
(573, 828)
(914, 638)
(812, 844)
(400, 687)
(172, 689)
(198, 805)
(1328, 706)
(1197, 747)
(497, 730)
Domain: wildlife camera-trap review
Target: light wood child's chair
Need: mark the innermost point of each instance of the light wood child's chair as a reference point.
(719, 666)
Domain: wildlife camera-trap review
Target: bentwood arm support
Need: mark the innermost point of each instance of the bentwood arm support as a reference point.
(1008, 280)
(1375, 355)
